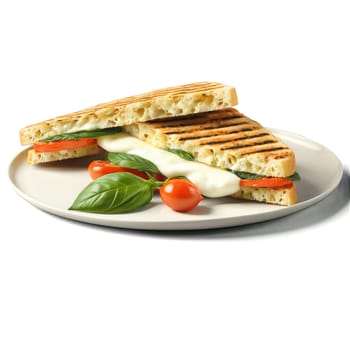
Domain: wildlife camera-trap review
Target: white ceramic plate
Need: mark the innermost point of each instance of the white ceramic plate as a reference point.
(53, 188)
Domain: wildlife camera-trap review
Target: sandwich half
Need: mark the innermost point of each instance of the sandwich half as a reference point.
(168, 102)
(229, 140)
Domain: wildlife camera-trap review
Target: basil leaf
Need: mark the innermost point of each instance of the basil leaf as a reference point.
(83, 134)
(114, 194)
(245, 175)
(294, 177)
(250, 176)
(183, 154)
(132, 161)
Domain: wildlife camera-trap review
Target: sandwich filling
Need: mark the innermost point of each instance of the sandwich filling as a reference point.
(73, 140)
(212, 182)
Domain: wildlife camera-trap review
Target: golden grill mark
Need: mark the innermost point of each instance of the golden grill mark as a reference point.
(210, 115)
(249, 145)
(206, 134)
(194, 119)
(226, 139)
(207, 131)
(268, 150)
(214, 124)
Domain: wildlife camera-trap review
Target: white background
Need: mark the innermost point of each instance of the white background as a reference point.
(278, 285)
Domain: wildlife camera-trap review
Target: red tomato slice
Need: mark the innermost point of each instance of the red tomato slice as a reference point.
(180, 195)
(54, 146)
(267, 182)
(98, 168)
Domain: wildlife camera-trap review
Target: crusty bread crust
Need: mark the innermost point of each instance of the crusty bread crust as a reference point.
(168, 102)
(226, 139)
(34, 157)
(280, 196)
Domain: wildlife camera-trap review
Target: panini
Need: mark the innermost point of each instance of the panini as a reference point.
(230, 140)
(169, 102)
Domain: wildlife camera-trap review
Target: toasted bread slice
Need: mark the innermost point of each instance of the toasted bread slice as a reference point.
(168, 102)
(44, 157)
(225, 139)
(280, 196)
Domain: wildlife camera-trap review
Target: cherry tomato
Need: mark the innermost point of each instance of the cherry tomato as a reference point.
(99, 168)
(180, 195)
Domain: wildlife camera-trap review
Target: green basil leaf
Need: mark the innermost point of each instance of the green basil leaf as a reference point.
(183, 154)
(245, 175)
(132, 161)
(114, 194)
(294, 177)
(250, 176)
(83, 134)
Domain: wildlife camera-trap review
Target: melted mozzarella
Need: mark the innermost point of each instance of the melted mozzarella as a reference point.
(212, 182)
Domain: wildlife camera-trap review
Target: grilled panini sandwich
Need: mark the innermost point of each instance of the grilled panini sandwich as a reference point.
(227, 139)
(196, 118)
(107, 117)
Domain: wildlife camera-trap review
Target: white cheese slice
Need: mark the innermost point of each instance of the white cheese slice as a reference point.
(212, 182)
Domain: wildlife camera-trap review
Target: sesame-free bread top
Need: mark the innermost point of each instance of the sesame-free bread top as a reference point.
(167, 102)
(225, 138)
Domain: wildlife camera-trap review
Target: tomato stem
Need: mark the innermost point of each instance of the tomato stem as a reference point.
(154, 181)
